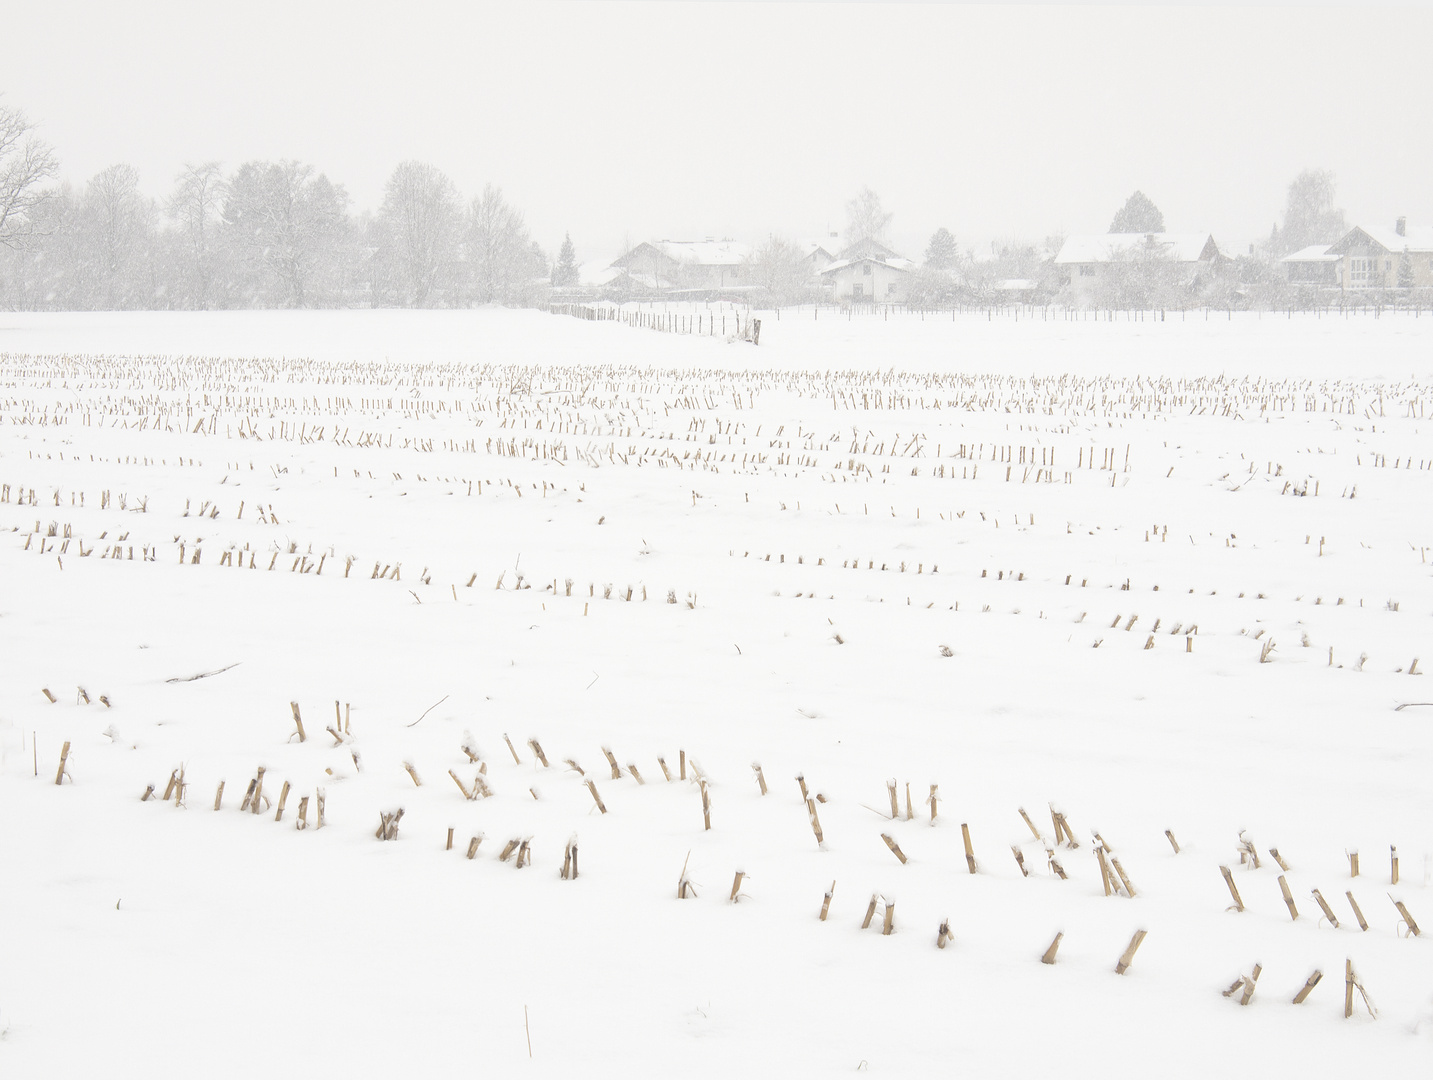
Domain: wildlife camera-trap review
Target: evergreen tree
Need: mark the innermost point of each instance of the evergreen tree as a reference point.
(1138, 215)
(1405, 272)
(564, 274)
(940, 254)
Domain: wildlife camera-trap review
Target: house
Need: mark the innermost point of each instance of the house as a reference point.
(816, 255)
(1400, 257)
(700, 266)
(1317, 264)
(1101, 262)
(869, 272)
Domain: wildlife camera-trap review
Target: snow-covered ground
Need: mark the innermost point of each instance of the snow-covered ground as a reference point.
(1032, 562)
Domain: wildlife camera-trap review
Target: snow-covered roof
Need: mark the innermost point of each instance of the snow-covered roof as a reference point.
(704, 252)
(1314, 253)
(895, 262)
(1415, 238)
(598, 273)
(826, 248)
(1110, 247)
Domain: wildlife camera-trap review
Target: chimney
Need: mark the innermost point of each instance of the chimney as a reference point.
(1401, 226)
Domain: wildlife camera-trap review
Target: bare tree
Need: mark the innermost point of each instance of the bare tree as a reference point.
(289, 227)
(778, 268)
(195, 207)
(117, 232)
(26, 163)
(499, 254)
(420, 221)
(1310, 216)
(865, 219)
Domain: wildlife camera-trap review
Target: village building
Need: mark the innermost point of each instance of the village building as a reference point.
(869, 272)
(1372, 258)
(1096, 262)
(1317, 264)
(698, 267)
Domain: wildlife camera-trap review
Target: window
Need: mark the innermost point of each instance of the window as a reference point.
(857, 291)
(1360, 271)
(1388, 264)
(865, 269)
(1087, 271)
(891, 289)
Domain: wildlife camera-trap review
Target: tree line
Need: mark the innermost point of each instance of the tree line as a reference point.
(264, 234)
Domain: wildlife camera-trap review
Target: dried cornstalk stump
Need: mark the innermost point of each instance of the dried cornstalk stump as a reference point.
(256, 803)
(298, 721)
(895, 848)
(473, 846)
(942, 935)
(1238, 904)
(1313, 980)
(888, 927)
(1362, 923)
(1049, 957)
(302, 822)
(760, 779)
(596, 797)
(1408, 921)
(612, 762)
(815, 821)
(1124, 878)
(1169, 834)
(1034, 831)
(515, 758)
(1288, 897)
(388, 824)
(1273, 851)
(969, 851)
(826, 902)
(706, 807)
(1328, 911)
(536, 748)
(509, 849)
(684, 886)
(219, 796)
(895, 804)
(1127, 957)
(64, 759)
(413, 772)
(283, 798)
(632, 768)
(736, 885)
(666, 772)
(870, 911)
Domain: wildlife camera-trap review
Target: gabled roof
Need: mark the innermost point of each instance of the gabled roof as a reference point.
(1314, 253)
(1418, 238)
(705, 252)
(895, 262)
(1114, 247)
(868, 248)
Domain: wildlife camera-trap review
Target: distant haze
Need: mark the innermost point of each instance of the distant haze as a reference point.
(635, 121)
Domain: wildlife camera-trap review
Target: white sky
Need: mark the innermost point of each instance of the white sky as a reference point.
(663, 119)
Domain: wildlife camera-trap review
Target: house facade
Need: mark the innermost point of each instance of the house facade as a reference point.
(1317, 265)
(1100, 264)
(869, 273)
(1371, 258)
(699, 266)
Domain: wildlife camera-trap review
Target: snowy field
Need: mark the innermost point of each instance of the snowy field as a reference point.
(1150, 575)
